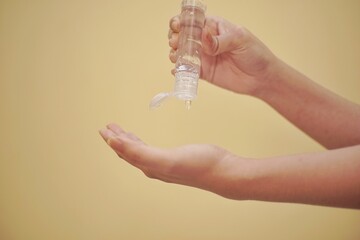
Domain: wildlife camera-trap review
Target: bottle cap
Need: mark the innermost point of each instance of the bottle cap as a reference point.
(159, 98)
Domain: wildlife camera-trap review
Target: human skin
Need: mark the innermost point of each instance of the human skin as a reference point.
(234, 59)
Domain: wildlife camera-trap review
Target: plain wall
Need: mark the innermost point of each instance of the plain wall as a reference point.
(67, 68)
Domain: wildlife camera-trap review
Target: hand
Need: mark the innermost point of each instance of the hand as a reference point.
(232, 57)
(203, 166)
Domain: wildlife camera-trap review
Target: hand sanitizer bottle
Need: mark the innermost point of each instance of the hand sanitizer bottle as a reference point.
(188, 64)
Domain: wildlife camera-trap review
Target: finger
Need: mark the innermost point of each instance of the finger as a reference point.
(221, 36)
(110, 141)
(116, 129)
(170, 32)
(231, 40)
(174, 41)
(210, 42)
(211, 23)
(106, 134)
(173, 55)
(134, 137)
(228, 41)
(174, 24)
(138, 154)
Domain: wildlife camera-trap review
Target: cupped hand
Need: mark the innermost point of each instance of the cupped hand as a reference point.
(232, 57)
(203, 166)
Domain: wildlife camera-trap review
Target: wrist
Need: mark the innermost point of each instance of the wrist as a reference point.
(236, 178)
(269, 82)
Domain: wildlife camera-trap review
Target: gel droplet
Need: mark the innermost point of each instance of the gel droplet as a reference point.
(188, 104)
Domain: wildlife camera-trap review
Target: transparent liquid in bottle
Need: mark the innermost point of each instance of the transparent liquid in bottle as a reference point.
(188, 64)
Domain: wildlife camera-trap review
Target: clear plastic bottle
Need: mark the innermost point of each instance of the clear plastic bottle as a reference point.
(188, 64)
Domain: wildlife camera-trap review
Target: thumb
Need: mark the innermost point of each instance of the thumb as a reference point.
(210, 43)
(226, 42)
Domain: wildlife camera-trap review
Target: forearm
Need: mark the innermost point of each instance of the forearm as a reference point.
(326, 117)
(330, 178)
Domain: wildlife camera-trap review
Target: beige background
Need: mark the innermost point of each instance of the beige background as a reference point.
(67, 68)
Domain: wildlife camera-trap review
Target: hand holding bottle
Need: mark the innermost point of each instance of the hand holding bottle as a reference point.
(232, 57)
